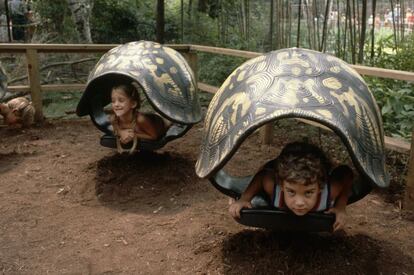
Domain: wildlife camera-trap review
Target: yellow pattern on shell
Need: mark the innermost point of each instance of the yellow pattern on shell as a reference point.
(173, 70)
(159, 60)
(99, 69)
(240, 100)
(332, 83)
(290, 96)
(240, 77)
(260, 111)
(234, 101)
(134, 73)
(296, 71)
(261, 66)
(335, 69)
(179, 59)
(311, 86)
(324, 113)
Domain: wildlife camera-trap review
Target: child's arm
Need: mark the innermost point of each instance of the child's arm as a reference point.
(341, 185)
(259, 182)
(148, 129)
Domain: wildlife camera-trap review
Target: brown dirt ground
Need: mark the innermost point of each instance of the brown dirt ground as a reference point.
(70, 206)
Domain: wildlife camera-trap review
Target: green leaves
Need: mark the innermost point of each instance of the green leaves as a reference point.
(396, 101)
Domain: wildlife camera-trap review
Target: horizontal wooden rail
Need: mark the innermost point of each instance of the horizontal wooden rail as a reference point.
(224, 51)
(48, 88)
(364, 70)
(69, 48)
(98, 48)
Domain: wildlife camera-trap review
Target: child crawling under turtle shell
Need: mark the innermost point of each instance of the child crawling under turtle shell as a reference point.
(128, 123)
(300, 179)
(18, 112)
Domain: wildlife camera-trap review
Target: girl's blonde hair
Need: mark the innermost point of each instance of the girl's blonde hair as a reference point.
(24, 110)
(131, 91)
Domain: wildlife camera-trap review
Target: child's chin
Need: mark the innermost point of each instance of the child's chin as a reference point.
(300, 213)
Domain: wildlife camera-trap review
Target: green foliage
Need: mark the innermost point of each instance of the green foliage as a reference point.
(121, 21)
(214, 69)
(58, 105)
(387, 55)
(116, 21)
(396, 101)
(57, 25)
(395, 98)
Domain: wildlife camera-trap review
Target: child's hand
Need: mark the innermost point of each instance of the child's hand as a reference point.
(235, 208)
(340, 218)
(126, 136)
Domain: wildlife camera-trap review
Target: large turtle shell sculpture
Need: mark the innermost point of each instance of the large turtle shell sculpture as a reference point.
(292, 83)
(167, 81)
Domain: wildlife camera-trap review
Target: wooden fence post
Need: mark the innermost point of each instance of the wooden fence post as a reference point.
(32, 60)
(192, 59)
(409, 187)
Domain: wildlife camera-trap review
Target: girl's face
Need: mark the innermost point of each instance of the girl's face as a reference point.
(10, 116)
(300, 198)
(121, 104)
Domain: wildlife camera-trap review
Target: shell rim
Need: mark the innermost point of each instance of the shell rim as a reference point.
(257, 125)
(83, 110)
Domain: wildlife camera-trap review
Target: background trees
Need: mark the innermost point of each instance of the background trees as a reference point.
(375, 33)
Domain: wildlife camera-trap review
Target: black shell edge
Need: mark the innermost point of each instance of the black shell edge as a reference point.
(83, 108)
(257, 125)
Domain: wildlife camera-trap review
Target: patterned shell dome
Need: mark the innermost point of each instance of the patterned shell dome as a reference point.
(165, 76)
(295, 83)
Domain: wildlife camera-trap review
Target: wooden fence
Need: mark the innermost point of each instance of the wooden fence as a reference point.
(31, 51)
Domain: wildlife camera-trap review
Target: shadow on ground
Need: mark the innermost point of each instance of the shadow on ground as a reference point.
(145, 182)
(263, 252)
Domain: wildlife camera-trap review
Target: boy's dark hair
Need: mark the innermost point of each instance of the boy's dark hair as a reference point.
(302, 163)
(131, 92)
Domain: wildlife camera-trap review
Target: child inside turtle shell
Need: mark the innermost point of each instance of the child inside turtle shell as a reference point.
(128, 123)
(300, 179)
(18, 112)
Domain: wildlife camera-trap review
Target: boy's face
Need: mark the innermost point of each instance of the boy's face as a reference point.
(121, 103)
(300, 198)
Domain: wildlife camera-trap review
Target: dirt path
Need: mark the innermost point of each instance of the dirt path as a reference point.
(70, 206)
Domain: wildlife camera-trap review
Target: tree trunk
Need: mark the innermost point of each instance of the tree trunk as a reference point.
(6, 4)
(81, 13)
(374, 6)
(299, 16)
(272, 9)
(160, 21)
(338, 36)
(363, 30)
(325, 25)
(182, 21)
